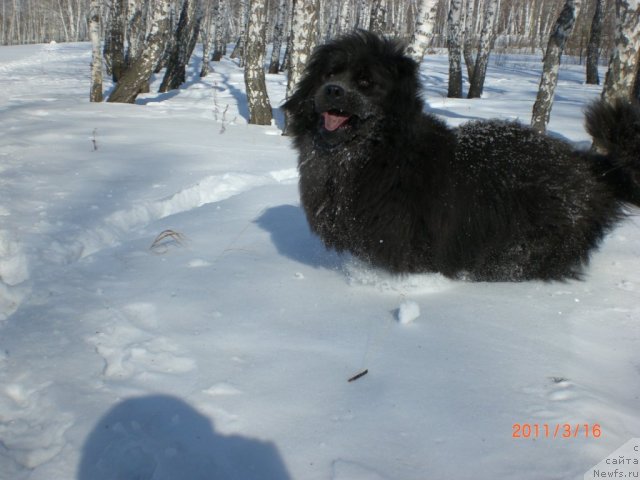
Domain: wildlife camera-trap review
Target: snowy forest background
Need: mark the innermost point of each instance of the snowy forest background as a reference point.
(134, 39)
(521, 23)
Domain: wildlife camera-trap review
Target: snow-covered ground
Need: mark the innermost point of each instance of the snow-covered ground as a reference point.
(166, 314)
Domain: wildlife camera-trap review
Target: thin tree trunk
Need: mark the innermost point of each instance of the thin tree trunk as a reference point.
(455, 50)
(364, 14)
(95, 94)
(422, 34)
(593, 48)
(549, 80)
(344, 25)
(238, 49)
(219, 45)
(469, 34)
(487, 37)
(207, 34)
(624, 63)
(254, 79)
(278, 36)
(138, 75)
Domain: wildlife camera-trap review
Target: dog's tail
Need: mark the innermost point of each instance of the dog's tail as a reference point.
(615, 129)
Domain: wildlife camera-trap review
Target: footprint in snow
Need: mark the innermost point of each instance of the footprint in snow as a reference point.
(129, 350)
(32, 428)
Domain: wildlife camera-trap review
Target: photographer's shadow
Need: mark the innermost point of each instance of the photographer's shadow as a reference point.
(292, 238)
(163, 438)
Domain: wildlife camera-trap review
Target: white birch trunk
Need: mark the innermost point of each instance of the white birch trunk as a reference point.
(137, 76)
(557, 41)
(254, 78)
(220, 13)
(135, 31)
(377, 22)
(95, 94)
(425, 23)
(345, 17)
(595, 40)
(304, 33)
(114, 43)
(469, 33)
(207, 33)
(304, 36)
(455, 49)
(364, 14)
(73, 32)
(186, 35)
(487, 37)
(239, 46)
(278, 36)
(625, 59)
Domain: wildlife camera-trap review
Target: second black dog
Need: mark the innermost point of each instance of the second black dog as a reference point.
(491, 200)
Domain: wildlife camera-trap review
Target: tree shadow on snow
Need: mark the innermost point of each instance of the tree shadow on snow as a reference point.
(238, 94)
(291, 236)
(162, 437)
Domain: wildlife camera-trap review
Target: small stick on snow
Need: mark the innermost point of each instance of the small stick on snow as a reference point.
(359, 375)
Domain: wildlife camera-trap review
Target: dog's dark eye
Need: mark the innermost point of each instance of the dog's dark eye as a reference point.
(365, 83)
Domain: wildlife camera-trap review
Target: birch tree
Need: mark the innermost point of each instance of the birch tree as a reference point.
(377, 22)
(595, 40)
(278, 36)
(425, 23)
(344, 23)
(135, 31)
(95, 94)
(364, 14)
(304, 34)
(220, 14)
(238, 49)
(487, 37)
(207, 33)
(185, 41)
(137, 76)
(455, 49)
(557, 41)
(469, 30)
(114, 45)
(624, 63)
(254, 79)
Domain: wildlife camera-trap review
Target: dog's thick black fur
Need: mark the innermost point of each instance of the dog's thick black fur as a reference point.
(490, 201)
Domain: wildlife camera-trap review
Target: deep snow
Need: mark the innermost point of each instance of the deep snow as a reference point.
(166, 314)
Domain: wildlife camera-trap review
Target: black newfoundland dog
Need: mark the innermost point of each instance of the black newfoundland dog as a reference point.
(489, 201)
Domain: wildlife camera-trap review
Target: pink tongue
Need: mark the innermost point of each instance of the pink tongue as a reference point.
(333, 122)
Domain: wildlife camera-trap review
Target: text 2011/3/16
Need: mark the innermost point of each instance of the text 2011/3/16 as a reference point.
(558, 430)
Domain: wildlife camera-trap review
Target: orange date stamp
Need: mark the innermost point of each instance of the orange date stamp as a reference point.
(556, 430)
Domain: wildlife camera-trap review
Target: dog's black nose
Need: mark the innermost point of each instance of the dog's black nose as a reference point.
(334, 91)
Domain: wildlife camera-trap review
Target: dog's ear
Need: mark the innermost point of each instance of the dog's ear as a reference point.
(405, 95)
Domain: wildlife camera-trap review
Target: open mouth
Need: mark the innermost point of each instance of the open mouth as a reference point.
(335, 119)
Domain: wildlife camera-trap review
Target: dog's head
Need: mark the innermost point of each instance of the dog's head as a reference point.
(354, 87)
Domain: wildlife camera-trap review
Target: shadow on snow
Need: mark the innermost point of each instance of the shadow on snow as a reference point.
(292, 238)
(162, 437)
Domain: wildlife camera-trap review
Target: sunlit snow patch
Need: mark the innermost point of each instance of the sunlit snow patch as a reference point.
(361, 273)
